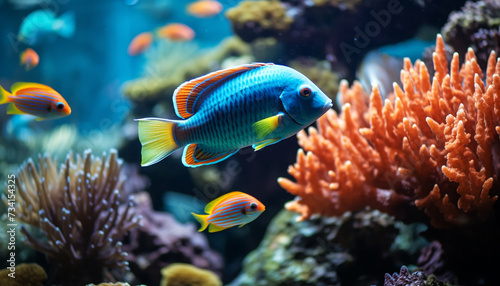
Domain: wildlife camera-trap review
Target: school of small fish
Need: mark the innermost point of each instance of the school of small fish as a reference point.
(256, 105)
(174, 31)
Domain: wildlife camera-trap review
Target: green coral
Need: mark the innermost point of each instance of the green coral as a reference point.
(321, 251)
(268, 15)
(181, 274)
(162, 77)
(26, 274)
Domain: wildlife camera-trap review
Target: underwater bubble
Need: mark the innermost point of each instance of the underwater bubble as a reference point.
(59, 243)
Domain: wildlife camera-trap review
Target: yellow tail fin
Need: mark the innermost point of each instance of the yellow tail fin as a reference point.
(157, 139)
(202, 219)
(4, 96)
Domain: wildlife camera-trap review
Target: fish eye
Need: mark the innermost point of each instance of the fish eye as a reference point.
(60, 106)
(253, 206)
(305, 91)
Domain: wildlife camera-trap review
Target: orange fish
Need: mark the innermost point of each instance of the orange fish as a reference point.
(140, 43)
(29, 58)
(34, 99)
(229, 210)
(204, 8)
(176, 32)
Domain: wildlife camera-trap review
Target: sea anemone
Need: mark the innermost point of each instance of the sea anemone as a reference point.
(77, 210)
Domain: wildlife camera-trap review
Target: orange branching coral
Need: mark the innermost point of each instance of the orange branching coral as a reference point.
(434, 145)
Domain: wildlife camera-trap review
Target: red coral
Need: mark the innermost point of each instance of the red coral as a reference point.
(435, 144)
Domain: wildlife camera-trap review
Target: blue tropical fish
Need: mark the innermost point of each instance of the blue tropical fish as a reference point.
(42, 26)
(250, 105)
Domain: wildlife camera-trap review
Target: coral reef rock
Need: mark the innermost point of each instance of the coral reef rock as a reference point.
(477, 26)
(407, 278)
(161, 241)
(321, 251)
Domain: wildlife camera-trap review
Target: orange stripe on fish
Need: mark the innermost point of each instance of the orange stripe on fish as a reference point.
(186, 94)
(194, 156)
(232, 209)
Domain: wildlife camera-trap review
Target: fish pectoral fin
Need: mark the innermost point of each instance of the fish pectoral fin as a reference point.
(267, 125)
(215, 228)
(12, 109)
(242, 225)
(40, 118)
(195, 156)
(211, 205)
(187, 94)
(259, 145)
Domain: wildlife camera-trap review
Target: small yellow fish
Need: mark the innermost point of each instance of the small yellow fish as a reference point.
(229, 210)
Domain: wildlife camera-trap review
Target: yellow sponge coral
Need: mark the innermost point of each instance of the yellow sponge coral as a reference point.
(181, 274)
(30, 274)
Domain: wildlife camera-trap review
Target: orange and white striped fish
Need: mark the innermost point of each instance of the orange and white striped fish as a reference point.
(34, 99)
(232, 209)
(29, 58)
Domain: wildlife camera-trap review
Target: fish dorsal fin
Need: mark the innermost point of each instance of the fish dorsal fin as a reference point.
(195, 156)
(186, 95)
(211, 205)
(26, 85)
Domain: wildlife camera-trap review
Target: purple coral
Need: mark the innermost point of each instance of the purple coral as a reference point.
(161, 241)
(77, 210)
(405, 278)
